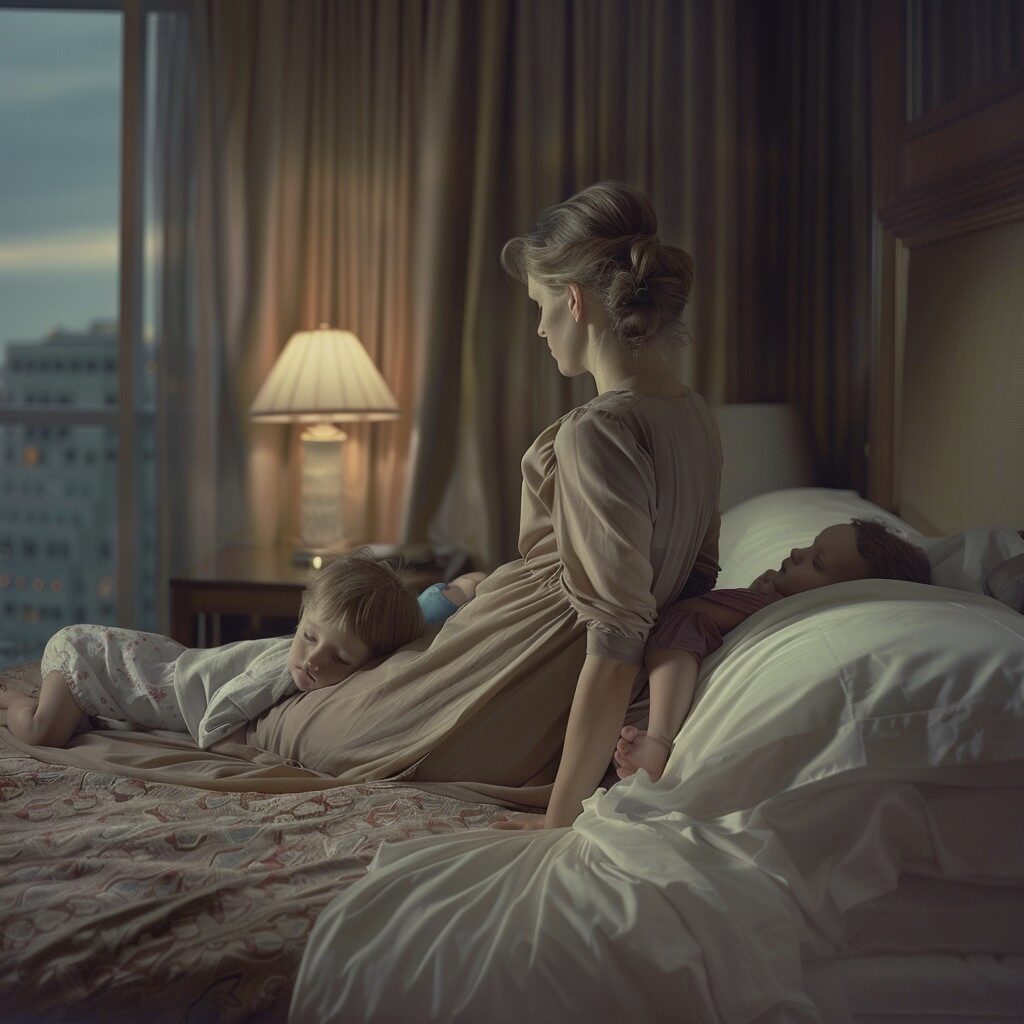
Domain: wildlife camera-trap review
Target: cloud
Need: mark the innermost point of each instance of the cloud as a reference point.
(42, 86)
(85, 249)
(88, 249)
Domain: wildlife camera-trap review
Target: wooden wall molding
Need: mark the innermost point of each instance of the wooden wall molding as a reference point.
(958, 169)
(986, 192)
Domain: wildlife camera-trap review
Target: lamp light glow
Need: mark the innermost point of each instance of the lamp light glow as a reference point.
(320, 378)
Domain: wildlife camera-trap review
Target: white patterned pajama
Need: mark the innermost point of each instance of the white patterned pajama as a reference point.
(118, 674)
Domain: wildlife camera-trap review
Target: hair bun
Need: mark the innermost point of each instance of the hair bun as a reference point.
(650, 296)
(605, 239)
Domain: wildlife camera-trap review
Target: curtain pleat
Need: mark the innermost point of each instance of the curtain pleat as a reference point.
(361, 164)
(554, 96)
(804, 222)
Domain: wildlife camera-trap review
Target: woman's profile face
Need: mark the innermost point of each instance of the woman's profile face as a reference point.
(555, 323)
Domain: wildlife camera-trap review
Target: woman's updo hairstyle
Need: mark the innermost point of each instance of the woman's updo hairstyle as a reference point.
(605, 239)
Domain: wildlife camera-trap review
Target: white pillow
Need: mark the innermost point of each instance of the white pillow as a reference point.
(879, 680)
(759, 533)
(984, 560)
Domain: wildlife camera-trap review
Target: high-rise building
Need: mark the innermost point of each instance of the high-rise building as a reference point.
(58, 494)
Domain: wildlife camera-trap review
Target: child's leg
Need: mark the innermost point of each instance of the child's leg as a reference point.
(673, 681)
(48, 722)
(118, 675)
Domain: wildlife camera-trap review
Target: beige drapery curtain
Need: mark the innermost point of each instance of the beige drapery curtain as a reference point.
(803, 331)
(530, 102)
(362, 163)
(306, 123)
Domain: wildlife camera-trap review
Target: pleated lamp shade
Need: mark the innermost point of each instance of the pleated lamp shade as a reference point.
(323, 376)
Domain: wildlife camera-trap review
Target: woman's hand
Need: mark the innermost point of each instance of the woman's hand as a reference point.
(525, 822)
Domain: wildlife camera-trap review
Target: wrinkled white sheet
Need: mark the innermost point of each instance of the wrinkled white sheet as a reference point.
(839, 739)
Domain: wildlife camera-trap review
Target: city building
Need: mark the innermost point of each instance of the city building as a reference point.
(58, 493)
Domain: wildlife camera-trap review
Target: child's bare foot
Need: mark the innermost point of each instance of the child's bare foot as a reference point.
(636, 749)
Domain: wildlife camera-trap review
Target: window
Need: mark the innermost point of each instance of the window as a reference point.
(63, 289)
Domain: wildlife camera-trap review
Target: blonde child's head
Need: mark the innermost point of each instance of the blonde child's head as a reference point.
(355, 609)
(860, 549)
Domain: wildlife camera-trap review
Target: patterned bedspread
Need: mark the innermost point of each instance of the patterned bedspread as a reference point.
(123, 900)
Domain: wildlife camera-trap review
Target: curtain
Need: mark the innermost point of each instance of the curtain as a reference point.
(804, 222)
(529, 102)
(361, 164)
(956, 48)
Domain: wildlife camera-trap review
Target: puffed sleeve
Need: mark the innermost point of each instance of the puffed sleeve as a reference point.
(602, 516)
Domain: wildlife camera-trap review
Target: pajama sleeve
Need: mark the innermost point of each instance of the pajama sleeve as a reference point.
(682, 627)
(603, 519)
(221, 688)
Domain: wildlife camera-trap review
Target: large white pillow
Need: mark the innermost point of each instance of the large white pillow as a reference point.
(907, 689)
(759, 533)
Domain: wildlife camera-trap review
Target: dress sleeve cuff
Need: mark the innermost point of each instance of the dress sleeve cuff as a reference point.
(616, 648)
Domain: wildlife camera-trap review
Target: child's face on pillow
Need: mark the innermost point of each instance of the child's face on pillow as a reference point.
(323, 653)
(832, 557)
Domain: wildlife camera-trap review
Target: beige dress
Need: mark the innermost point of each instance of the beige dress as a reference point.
(619, 504)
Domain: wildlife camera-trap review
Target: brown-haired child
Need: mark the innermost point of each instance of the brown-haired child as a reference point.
(689, 630)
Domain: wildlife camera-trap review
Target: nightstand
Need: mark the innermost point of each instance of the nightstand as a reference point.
(249, 592)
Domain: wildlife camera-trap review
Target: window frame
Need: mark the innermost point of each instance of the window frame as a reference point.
(128, 422)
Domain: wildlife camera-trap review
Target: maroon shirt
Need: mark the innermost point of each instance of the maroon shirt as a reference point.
(684, 629)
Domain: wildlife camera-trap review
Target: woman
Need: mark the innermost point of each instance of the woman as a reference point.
(521, 696)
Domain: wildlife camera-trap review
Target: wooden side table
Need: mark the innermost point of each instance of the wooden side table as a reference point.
(247, 593)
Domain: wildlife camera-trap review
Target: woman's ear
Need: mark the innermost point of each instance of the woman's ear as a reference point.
(575, 296)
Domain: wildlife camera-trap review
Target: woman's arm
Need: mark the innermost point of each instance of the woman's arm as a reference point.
(598, 708)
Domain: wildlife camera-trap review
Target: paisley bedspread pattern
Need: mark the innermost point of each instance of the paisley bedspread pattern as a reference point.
(120, 896)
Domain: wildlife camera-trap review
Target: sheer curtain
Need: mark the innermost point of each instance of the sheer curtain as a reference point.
(362, 164)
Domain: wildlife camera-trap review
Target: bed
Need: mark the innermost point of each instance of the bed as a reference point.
(818, 851)
(839, 834)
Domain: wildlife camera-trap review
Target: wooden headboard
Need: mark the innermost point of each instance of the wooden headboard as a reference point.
(946, 431)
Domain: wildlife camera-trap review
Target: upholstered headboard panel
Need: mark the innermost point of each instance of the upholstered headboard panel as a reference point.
(961, 440)
(946, 435)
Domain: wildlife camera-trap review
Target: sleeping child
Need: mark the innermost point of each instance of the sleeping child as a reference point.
(689, 630)
(354, 610)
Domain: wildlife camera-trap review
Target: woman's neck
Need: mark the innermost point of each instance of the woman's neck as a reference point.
(649, 375)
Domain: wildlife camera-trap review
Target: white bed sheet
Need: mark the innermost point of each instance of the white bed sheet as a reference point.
(835, 744)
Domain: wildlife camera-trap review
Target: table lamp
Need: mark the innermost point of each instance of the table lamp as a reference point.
(322, 377)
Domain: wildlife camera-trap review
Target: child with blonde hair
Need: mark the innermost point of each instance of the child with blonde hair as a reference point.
(354, 610)
(689, 630)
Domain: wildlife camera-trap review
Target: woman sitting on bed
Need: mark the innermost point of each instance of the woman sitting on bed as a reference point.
(689, 630)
